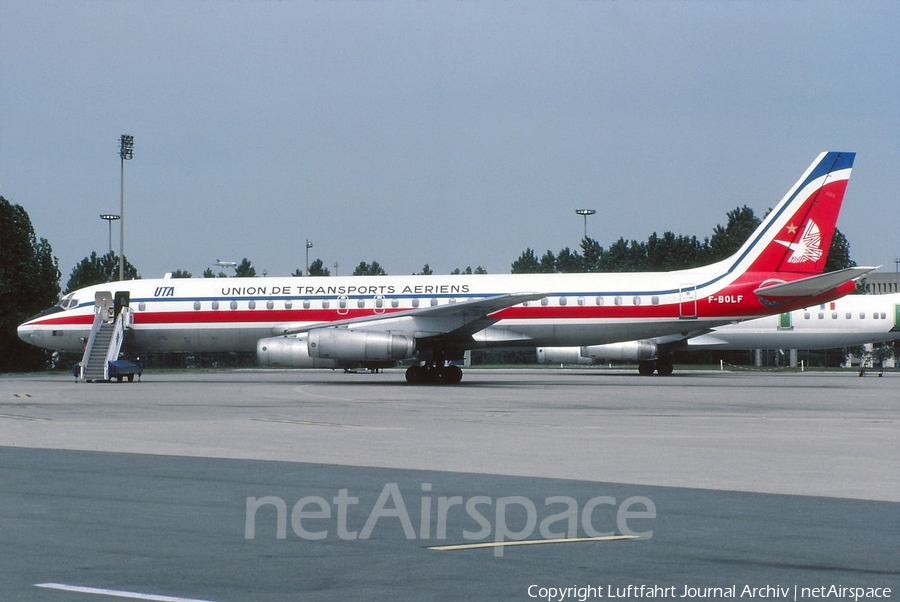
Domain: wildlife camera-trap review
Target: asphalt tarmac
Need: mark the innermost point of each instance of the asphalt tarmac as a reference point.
(317, 485)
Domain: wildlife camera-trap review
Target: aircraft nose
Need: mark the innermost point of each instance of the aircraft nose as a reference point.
(26, 332)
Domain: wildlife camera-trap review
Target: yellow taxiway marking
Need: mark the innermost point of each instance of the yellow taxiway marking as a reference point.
(529, 542)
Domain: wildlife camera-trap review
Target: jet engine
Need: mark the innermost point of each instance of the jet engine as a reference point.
(288, 352)
(346, 344)
(628, 351)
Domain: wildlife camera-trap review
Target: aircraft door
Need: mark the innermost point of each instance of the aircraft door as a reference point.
(687, 301)
(784, 321)
(103, 303)
(122, 299)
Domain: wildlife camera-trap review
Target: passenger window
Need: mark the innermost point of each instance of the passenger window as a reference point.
(251, 305)
(215, 305)
(234, 305)
(288, 304)
(196, 305)
(270, 304)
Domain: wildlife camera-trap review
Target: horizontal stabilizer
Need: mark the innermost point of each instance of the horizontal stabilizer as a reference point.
(812, 286)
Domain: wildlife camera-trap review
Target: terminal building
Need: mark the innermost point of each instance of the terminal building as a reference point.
(882, 283)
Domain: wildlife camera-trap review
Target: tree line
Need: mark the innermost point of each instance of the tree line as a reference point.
(664, 253)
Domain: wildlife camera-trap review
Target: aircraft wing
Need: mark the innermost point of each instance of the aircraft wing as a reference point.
(812, 286)
(456, 319)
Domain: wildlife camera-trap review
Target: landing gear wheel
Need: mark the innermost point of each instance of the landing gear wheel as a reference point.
(646, 368)
(415, 375)
(431, 374)
(454, 374)
(665, 366)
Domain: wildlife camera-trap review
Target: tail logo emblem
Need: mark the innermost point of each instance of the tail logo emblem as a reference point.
(808, 248)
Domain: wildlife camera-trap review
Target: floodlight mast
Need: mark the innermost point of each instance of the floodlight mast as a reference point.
(110, 218)
(126, 152)
(585, 213)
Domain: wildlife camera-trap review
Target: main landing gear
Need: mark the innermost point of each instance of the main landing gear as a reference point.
(663, 366)
(433, 373)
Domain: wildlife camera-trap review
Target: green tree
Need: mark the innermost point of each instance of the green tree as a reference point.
(97, 270)
(591, 255)
(839, 253)
(29, 283)
(527, 263)
(548, 262)
(569, 262)
(366, 269)
(426, 271)
(244, 269)
(317, 268)
(181, 274)
(726, 240)
(208, 273)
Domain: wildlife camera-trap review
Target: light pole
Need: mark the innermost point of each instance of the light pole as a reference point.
(126, 152)
(110, 218)
(308, 247)
(585, 213)
(897, 271)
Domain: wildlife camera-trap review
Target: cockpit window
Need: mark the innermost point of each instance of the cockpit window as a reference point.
(68, 302)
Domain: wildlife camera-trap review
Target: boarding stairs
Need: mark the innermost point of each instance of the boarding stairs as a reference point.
(105, 341)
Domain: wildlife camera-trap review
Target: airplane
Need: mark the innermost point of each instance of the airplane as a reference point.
(225, 264)
(847, 322)
(378, 321)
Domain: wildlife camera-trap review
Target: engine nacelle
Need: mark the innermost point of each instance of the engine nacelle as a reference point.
(346, 344)
(561, 355)
(628, 351)
(288, 352)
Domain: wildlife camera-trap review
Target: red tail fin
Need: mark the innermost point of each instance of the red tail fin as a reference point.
(796, 235)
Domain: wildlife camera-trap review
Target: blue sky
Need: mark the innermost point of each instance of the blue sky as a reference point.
(455, 134)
